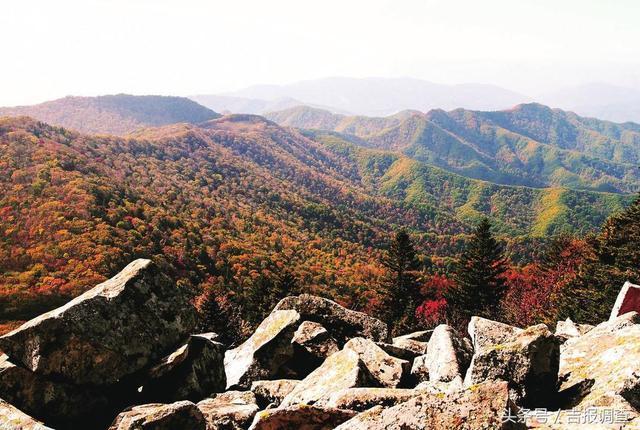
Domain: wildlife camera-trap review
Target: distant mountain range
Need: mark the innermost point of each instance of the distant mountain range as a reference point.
(114, 114)
(598, 100)
(387, 96)
(530, 144)
(379, 96)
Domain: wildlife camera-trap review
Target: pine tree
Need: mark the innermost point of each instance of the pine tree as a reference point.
(479, 284)
(402, 287)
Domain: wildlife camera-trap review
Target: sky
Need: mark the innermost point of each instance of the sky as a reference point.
(51, 49)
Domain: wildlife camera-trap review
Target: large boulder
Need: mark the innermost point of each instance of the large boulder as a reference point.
(316, 342)
(386, 370)
(300, 417)
(342, 323)
(107, 333)
(192, 372)
(157, 416)
(416, 342)
(271, 393)
(12, 418)
(361, 399)
(344, 369)
(448, 355)
(628, 300)
(602, 367)
(57, 403)
(264, 353)
(487, 332)
(233, 410)
(528, 360)
(397, 351)
(480, 407)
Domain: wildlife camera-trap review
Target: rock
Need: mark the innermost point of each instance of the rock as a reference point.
(232, 410)
(628, 300)
(57, 403)
(157, 416)
(398, 351)
(388, 371)
(601, 367)
(272, 392)
(448, 355)
(344, 369)
(436, 387)
(361, 399)
(479, 407)
(300, 417)
(192, 372)
(342, 323)
(264, 353)
(420, 369)
(12, 418)
(528, 360)
(568, 329)
(415, 342)
(107, 333)
(487, 332)
(315, 340)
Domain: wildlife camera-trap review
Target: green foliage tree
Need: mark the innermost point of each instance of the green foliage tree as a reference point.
(479, 278)
(615, 259)
(402, 285)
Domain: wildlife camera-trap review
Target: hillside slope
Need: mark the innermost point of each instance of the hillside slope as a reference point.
(232, 203)
(530, 144)
(114, 114)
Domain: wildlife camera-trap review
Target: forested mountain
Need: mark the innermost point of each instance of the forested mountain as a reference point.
(234, 201)
(530, 144)
(114, 114)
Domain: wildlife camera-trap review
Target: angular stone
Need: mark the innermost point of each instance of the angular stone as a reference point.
(107, 333)
(272, 392)
(568, 329)
(448, 355)
(342, 323)
(480, 407)
(344, 369)
(487, 332)
(157, 416)
(399, 352)
(628, 300)
(315, 340)
(528, 360)
(233, 410)
(56, 403)
(602, 367)
(361, 399)
(416, 342)
(303, 417)
(11, 418)
(264, 353)
(436, 387)
(192, 372)
(420, 369)
(388, 371)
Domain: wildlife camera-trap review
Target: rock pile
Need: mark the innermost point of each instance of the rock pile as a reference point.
(123, 356)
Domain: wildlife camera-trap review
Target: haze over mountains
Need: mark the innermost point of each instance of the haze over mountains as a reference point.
(387, 96)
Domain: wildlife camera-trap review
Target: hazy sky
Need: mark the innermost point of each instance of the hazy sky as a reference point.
(87, 47)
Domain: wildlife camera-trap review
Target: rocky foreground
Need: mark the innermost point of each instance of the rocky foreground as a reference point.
(124, 356)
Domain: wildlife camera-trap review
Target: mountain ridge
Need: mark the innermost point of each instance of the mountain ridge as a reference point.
(117, 114)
